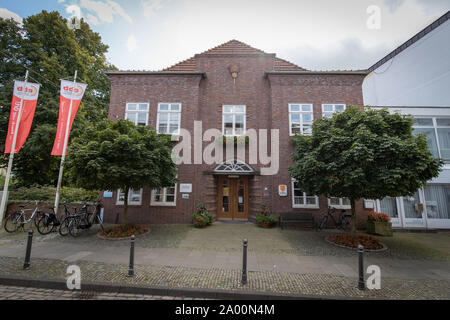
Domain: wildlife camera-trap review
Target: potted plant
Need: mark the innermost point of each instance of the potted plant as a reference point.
(201, 218)
(379, 223)
(266, 218)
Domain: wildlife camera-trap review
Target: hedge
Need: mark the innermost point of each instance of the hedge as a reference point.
(47, 194)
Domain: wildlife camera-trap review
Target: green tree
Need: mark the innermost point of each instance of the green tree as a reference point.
(120, 155)
(359, 154)
(51, 51)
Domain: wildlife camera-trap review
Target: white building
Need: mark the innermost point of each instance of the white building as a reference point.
(415, 79)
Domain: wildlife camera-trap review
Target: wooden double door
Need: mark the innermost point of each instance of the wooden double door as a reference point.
(233, 197)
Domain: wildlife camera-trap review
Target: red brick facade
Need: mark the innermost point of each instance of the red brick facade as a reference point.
(203, 84)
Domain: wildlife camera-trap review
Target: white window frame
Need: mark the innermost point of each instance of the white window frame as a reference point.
(301, 113)
(164, 203)
(130, 203)
(435, 128)
(169, 112)
(138, 111)
(233, 113)
(333, 107)
(340, 205)
(305, 205)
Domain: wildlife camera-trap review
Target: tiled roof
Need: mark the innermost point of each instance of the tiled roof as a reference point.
(233, 47)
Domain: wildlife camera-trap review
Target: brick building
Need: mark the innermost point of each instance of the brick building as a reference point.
(233, 88)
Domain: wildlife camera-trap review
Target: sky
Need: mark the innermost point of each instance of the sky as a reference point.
(316, 35)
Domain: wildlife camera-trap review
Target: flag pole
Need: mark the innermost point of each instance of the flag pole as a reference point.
(66, 140)
(11, 153)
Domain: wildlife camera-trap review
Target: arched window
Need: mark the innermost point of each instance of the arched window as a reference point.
(234, 166)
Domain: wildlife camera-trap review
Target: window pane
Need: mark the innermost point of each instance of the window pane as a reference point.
(143, 107)
(157, 195)
(410, 205)
(132, 117)
(328, 115)
(175, 107)
(346, 202)
(444, 142)
(239, 109)
(334, 201)
(306, 107)
(295, 128)
(307, 117)
(295, 117)
(132, 106)
(443, 122)
(173, 128)
(227, 109)
(307, 129)
(431, 140)
(389, 206)
(424, 122)
(239, 125)
(142, 119)
(121, 196)
(294, 107)
(164, 107)
(328, 107)
(311, 200)
(135, 196)
(437, 199)
(339, 107)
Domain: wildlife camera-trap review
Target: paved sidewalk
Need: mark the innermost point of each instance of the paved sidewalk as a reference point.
(21, 293)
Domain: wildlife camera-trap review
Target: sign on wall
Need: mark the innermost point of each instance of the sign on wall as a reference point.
(282, 190)
(107, 194)
(186, 187)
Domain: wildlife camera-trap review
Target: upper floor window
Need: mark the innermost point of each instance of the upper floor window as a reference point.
(437, 131)
(233, 120)
(164, 196)
(137, 113)
(329, 109)
(300, 119)
(169, 118)
(134, 197)
(301, 200)
(339, 203)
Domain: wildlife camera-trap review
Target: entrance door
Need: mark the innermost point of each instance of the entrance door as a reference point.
(233, 198)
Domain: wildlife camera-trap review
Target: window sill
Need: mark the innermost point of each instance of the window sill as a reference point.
(305, 207)
(163, 204)
(341, 207)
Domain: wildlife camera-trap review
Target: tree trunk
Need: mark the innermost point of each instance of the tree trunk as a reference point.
(353, 224)
(125, 206)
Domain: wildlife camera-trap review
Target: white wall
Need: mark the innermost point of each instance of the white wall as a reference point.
(418, 76)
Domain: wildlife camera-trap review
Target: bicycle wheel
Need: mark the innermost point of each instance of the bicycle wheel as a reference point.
(45, 225)
(64, 226)
(12, 222)
(73, 227)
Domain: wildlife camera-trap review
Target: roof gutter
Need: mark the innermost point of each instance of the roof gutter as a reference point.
(360, 72)
(158, 73)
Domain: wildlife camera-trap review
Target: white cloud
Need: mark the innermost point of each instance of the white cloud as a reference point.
(6, 14)
(132, 43)
(92, 19)
(105, 11)
(61, 1)
(151, 6)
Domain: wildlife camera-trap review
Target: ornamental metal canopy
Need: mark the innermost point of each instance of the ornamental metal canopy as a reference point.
(234, 166)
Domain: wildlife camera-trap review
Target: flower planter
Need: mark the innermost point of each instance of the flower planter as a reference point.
(379, 228)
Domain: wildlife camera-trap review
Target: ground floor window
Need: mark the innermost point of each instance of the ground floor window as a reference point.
(301, 200)
(437, 199)
(339, 203)
(134, 197)
(164, 196)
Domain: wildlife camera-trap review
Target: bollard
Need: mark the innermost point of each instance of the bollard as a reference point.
(244, 263)
(131, 267)
(361, 285)
(26, 264)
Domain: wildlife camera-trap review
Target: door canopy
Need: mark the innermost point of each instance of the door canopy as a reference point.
(234, 166)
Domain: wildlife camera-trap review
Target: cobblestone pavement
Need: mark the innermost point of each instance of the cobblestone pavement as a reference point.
(22, 293)
(260, 281)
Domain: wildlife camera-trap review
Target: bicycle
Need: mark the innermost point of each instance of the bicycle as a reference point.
(48, 222)
(18, 218)
(64, 221)
(343, 221)
(84, 220)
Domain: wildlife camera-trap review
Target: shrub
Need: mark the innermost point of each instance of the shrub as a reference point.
(347, 240)
(124, 230)
(202, 218)
(265, 217)
(48, 193)
(378, 217)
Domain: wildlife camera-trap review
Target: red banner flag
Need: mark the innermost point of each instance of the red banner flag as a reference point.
(30, 96)
(68, 92)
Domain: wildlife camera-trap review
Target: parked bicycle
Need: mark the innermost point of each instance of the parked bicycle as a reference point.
(64, 221)
(84, 220)
(18, 218)
(343, 221)
(48, 222)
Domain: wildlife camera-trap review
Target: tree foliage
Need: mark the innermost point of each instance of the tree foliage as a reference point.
(359, 153)
(120, 155)
(51, 51)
